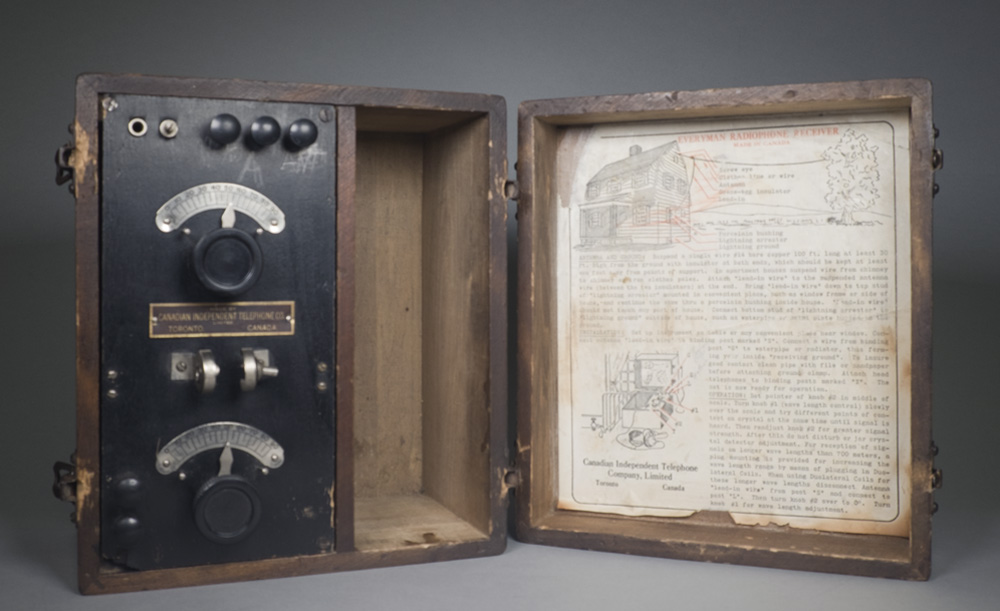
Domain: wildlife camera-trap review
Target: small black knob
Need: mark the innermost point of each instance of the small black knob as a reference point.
(227, 509)
(224, 129)
(128, 529)
(128, 489)
(302, 133)
(265, 131)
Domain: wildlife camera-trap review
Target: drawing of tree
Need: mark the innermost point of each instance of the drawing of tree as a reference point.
(853, 175)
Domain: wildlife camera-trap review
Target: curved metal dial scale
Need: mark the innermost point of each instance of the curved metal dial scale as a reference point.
(215, 435)
(220, 196)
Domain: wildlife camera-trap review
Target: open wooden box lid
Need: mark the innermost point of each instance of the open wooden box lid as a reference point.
(724, 317)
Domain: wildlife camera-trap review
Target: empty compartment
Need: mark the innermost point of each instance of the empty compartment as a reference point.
(421, 383)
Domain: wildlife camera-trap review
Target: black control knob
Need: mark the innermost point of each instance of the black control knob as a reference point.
(128, 530)
(302, 133)
(227, 509)
(224, 129)
(128, 490)
(228, 261)
(265, 131)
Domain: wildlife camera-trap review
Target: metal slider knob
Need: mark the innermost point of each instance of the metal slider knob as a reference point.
(256, 367)
(206, 371)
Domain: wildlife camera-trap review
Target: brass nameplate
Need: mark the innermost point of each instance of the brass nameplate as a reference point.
(234, 319)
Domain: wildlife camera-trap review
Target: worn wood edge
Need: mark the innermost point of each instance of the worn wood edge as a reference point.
(786, 558)
(921, 216)
(298, 566)
(344, 367)
(914, 94)
(749, 101)
(87, 237)
(498, 347)
(341, 95)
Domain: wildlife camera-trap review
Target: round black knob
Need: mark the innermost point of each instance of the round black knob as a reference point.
(224, 129)
(228, 261)
(265, 131)
(227, 509)
(128, 530)
(302, 133)
(128, 489)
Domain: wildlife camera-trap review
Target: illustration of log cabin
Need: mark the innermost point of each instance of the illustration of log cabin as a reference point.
(640, 200)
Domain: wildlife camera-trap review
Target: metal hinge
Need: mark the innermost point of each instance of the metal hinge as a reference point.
(937, 477)
(64, 165)
(937, 159)
(64, 486)
(511, 190)
(511, 478)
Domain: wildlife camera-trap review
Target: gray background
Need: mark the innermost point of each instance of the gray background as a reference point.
(521, 50)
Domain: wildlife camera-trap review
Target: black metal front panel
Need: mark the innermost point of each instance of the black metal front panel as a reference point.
(214, 274)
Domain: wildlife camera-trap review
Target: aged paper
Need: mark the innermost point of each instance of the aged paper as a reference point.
(734, 320)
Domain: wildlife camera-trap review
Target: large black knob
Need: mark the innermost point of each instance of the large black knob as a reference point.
(227, 509)
(228, 261)
(224, 129)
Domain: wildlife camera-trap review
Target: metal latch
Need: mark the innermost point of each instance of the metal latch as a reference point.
(64, 486)
(64, 166)
(937, 477)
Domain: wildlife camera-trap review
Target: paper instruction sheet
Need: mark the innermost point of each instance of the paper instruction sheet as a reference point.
(734, 320)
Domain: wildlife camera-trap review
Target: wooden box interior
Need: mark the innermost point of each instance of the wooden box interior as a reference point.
(421, 449)
(705, 535)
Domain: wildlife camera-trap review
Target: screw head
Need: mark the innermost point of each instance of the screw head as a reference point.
(112, 374)
(168, 128)
(321, 366)
(112, 394)
(181, 366)
(321, 386)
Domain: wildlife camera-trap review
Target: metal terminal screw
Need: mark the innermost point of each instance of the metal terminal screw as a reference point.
(321, 386)
(181, 365)
(168, 221)
(325, 115)
(321, 366)
(187, 231)
(260, 231)
(165, 462)
(109, 104)
(112, 374)
(112, 393)
(182, 476)
(264, 471)
(274, 222)
(275, 458)
(168, 128)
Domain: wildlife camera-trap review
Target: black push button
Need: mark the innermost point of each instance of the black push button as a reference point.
(265, 131)
(302, 133)
(228, 261)
(224, 129)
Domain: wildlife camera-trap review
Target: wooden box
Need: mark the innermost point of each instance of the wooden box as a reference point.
(421, 466)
